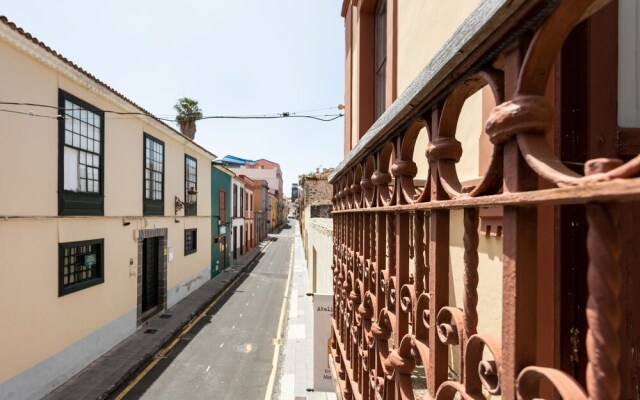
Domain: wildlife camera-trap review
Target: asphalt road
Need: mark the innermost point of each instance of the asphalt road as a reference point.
(229, 353)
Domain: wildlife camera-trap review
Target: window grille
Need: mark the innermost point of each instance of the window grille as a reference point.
(190, 241)
(81, 265)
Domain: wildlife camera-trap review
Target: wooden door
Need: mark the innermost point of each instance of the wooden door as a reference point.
(235, 242)
(222, 254)
(150, 267)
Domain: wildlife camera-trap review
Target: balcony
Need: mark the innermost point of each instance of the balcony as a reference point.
(395, 333)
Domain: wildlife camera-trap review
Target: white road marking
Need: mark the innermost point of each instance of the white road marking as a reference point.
(240, 316)
(269, 393)
(221, 345)
(233, 327)
(208, 368)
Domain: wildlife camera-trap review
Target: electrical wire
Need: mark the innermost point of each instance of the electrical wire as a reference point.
(316, 109)
(31, 114)
(320, 117)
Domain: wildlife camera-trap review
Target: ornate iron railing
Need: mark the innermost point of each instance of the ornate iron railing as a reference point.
(389, 318)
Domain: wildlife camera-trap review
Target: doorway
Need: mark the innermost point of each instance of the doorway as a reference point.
(152, 273)
(222, 254)
(235, 242)
(150, 267)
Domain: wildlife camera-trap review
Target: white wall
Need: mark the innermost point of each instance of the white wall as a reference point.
(629, 64)
(319, 233)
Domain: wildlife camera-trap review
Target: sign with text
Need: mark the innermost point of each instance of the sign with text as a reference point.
(90, 259)
(322, 309)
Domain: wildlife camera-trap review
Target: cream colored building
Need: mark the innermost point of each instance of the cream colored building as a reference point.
(93, 234)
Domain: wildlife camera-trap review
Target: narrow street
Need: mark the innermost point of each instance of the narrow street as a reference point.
(228, 354)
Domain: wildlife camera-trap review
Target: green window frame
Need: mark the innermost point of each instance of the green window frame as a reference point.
(190, 241)
(190, 185)
(80, 157)
(80, 265)
(153, 176)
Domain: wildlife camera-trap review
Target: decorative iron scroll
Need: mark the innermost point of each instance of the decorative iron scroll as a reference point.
(392, 327)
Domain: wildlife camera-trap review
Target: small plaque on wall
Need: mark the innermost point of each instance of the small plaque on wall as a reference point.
(90, 259)
(170, 254)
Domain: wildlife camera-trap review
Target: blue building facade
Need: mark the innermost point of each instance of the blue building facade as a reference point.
(220, 218)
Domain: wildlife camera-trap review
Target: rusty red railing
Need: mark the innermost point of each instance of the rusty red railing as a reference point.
(392, 321)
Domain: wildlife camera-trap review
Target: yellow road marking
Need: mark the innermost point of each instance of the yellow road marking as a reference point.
(186, 329)
(268, 395)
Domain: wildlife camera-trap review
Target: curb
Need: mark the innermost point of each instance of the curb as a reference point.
(130, 374)
(138, 365)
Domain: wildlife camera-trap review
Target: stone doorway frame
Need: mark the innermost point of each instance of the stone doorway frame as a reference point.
(163, 234)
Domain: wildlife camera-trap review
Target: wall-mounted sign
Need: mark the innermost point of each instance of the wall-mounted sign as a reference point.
(170, 254)
(223, 230)
(90, 259)
(322, 309)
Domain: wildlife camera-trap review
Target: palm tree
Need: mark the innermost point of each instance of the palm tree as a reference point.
(188, 113)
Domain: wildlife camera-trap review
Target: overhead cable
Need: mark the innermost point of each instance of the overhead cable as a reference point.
(317, 117)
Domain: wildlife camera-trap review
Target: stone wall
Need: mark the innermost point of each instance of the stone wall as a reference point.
(317, 191)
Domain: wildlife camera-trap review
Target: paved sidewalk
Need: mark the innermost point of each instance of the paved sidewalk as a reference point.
(115, 368)
(296, 369)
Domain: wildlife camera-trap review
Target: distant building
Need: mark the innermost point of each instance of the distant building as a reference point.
(316, 228)
(261, 170)
(237, 217)
(294, 192)
(248, 214)
(260, 207)
(272, 210)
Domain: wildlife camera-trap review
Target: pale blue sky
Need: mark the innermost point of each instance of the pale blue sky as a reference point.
(233, 56)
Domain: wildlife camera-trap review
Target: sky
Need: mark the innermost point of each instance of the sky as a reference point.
(236, 57)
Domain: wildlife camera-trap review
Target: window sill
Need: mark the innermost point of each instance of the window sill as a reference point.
(63, 291)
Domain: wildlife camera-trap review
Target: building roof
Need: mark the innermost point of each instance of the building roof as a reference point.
(247, 180)
(229, 159)
(222, 167)
(269, 161)
(4, 21)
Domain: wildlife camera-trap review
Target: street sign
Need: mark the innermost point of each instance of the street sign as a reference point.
(322, 309)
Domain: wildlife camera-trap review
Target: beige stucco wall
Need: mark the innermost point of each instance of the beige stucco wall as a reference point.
(36, 322)
(318, 235)
(490, 277)
(25, 161)
(422, 31)
(423, 28)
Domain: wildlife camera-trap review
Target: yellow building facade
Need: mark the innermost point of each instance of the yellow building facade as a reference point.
(94, 238)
